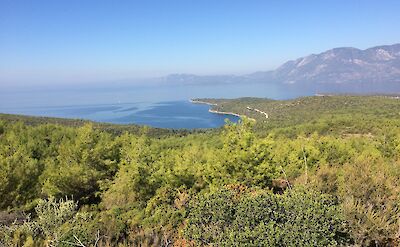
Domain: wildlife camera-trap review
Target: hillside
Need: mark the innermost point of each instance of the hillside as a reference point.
(115, 129)
(344, 65)
(319, 171)
(322, 114)
(339, 70)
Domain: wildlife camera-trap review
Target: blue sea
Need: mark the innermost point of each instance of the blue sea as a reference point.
(157, 106)
(173, 114)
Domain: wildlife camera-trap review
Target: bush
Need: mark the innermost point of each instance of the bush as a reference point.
(370, 192)
(57, 223)
(253, 217)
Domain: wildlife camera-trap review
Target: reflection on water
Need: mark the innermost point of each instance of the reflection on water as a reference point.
(177, 114)
(114, 104)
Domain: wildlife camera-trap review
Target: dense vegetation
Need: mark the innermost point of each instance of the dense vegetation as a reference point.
(324, 114)
(114, 129)
(320, 171)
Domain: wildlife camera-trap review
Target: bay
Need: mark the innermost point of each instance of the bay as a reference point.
(163, 106)
(176, 114)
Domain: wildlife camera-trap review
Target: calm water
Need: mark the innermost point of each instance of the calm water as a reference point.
(160, 106)
(177, 114)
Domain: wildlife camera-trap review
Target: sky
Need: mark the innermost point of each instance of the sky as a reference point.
(87, 41)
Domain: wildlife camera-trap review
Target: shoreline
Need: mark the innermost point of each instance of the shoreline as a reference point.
(225, 113)
(219, 112)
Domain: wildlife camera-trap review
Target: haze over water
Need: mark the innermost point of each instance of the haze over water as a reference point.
(163, 106)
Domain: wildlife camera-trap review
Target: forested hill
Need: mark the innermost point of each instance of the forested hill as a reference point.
(322, 114)
(319, 171)
(115, 129)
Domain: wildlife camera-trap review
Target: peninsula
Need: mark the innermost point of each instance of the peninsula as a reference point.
(213, 108)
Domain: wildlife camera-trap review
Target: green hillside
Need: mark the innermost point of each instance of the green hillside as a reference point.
(323, 114)
(319, 171)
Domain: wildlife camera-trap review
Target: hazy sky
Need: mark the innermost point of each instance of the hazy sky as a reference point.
(70, 41)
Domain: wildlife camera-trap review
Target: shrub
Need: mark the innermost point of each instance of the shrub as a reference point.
(370, 192)
(260, 218)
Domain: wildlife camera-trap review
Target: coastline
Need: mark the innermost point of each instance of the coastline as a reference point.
(219, 112)
(225, 113)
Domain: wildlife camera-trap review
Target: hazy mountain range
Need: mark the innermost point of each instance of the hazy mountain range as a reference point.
(344, 69)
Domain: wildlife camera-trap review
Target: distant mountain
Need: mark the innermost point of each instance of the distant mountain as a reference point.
(345, 69)
(344, 65)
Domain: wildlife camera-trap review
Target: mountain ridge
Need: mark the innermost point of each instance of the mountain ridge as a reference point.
(344, 65)
(341, 69)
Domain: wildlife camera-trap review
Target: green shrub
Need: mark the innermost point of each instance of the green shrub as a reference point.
(259, 218)
(370, 191)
